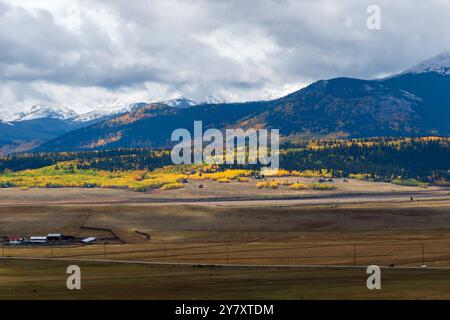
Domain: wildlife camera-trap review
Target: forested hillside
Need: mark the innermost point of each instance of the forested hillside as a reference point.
(425, 159)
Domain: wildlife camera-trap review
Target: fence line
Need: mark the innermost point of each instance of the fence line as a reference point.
(345, 254)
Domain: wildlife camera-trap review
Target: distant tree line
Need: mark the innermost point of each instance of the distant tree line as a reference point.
(109, 160)
(425, 159)
(418, 159)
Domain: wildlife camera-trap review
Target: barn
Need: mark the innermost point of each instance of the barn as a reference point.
(38, 240)
(55, 236)
(88, 240)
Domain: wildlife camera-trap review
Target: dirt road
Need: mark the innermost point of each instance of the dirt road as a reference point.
(13, 197)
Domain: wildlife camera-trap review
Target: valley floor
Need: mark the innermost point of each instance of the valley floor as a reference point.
(350, 190)
(47, 280)
(346, 231)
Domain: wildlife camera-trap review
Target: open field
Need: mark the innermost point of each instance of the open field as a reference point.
(214, 191)
(379, 233)
(248, 190)
(336, 230)
(46, 280)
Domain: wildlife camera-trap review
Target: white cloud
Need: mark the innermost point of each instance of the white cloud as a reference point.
(250, 47)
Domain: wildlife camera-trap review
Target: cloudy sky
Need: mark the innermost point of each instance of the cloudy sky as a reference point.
(86, 54)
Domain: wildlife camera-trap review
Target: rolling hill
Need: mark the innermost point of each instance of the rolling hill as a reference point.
(28, 134)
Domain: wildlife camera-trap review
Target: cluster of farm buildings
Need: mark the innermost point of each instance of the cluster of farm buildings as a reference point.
(50, 239)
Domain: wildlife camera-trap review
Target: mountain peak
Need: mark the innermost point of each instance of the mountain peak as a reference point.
(40, 112)
(213, 100)
(180, 103)
(438, 64)
(109, 110)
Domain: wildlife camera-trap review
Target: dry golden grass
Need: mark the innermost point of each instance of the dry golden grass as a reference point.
(262, 234)
(46, 280)
(379, 233)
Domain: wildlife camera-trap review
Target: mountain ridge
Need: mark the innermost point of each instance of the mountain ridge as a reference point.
(438, 64)
(67, 113)
(411, 103)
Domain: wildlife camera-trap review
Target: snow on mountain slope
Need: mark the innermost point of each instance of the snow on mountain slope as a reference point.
(120, 107)
(213, 100)
(66, 113)
(44, 112)
(180, 103)
(439, 64)
(116, 108)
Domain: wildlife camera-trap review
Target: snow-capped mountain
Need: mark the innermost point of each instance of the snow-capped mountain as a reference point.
(120, 107)
(100, 112)
(438, 64)
(116, 108)
(213, 100)
(44, 112)
(180, 103)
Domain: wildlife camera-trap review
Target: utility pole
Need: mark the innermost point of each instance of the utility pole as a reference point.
(227, 255)
(423, 254)
(104, 250)
(354, 254)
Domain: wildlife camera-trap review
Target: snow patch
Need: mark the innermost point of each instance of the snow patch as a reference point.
(44, 112)
(439, 64)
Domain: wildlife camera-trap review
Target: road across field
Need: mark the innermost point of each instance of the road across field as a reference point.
(326, 199)
(221, 265)
(338, 198)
